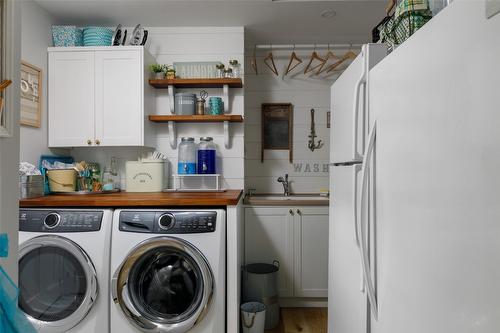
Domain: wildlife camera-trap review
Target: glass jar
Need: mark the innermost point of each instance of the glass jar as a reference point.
(206, 156)
(235, 67)
(108, 182)
(187, 157)
(228, 73)
(220, 71)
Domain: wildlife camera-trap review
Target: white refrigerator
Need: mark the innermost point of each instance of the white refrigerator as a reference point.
(347, 300)
(429, 200)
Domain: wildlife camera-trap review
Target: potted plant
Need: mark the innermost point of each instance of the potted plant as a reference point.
(170, 72)
(158, 71)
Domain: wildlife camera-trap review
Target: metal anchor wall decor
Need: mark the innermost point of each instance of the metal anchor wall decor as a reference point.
(312, 145)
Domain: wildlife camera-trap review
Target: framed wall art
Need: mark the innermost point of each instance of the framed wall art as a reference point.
(31, 95)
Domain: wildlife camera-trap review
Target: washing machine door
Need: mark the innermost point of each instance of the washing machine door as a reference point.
(165, 284)
(57, 283)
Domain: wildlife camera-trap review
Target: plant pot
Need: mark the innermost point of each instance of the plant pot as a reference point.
(170, 75)
(159, 76)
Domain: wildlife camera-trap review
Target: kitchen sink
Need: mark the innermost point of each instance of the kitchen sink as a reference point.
(309, 199)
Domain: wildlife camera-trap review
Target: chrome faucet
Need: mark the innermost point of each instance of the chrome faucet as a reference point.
(286, 185)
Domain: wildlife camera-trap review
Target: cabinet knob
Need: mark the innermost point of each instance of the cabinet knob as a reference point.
(299, 212)
(291, 212)
(89, 142)
(97, 142)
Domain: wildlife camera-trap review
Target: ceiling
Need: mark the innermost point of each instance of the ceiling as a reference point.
(265, 21)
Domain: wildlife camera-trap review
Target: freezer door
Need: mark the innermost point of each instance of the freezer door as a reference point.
(347, 305)
(349, 105)
(437, 160)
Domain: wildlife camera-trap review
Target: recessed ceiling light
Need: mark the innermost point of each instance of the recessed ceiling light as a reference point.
(328, 14)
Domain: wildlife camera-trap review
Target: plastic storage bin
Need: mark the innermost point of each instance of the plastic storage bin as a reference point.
(67, 35)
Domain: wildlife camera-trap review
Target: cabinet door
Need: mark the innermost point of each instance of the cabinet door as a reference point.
(268, 237)
(119, 91)
(71, 99)
(311, 252)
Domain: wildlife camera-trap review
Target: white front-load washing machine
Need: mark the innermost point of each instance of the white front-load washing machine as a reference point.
(64, 269)
(169, 269)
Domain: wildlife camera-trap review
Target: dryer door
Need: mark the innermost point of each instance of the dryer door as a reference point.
(165, 284)
(57, 283)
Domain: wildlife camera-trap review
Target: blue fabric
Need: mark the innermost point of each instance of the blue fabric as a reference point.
(12, 320)
(4, 246)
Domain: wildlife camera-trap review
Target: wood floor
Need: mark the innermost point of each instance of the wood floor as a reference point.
(302, 320)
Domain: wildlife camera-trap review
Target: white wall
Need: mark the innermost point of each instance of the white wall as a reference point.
(191, 44)
(35, 37)
(309, 170)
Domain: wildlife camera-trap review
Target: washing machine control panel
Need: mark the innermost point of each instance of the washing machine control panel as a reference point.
(166, 222)
(59, 221)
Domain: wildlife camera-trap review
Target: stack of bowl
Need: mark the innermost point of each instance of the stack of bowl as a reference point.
(97, 36)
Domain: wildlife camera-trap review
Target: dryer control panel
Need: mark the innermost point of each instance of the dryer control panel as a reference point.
(59, 220)
(168, 222)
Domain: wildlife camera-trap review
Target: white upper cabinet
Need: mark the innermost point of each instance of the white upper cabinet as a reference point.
(71, 99)
(99, 97)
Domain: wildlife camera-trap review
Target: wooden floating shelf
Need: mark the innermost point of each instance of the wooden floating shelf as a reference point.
(196, 118)
(196, 83)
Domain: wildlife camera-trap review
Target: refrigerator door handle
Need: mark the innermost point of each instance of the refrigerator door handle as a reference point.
(362, 230)
(355, 170)
(357, 92)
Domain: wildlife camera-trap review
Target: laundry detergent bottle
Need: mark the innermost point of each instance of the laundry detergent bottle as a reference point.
(187, 157)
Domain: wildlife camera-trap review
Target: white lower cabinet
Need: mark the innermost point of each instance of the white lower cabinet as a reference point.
(298, 238)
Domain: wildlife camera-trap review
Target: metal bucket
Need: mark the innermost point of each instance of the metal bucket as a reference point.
(260, 284)
(253, 317)
(31, 186)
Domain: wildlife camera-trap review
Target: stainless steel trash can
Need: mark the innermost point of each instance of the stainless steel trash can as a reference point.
(260, 284)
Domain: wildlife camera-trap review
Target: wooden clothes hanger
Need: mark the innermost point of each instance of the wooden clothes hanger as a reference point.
(329, 55)
(4, 84)
(253, 62)
(314, 56)
(345, 57)
(269, 61)
(293, 57)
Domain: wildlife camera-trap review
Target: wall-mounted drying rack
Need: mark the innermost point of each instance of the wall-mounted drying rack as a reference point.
(172, 84)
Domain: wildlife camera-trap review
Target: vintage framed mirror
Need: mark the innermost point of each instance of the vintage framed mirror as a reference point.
(277, 128)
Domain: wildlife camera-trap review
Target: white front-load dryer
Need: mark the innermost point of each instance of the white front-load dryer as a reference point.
(64, 269)
(168, 268)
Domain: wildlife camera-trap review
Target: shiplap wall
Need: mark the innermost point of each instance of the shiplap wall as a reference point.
(309, 170)
(191, 44)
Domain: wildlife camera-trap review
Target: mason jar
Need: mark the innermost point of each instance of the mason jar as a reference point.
(186, 163)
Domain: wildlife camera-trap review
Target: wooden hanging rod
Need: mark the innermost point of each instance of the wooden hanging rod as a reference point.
(305, 46)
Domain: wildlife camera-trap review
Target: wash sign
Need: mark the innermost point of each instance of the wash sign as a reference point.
(311, 168)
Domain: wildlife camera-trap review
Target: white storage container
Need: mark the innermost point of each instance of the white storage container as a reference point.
(146, 175)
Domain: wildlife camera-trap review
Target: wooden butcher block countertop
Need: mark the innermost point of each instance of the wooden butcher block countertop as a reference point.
(124, 199)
